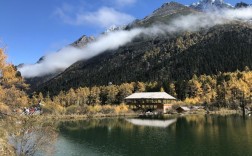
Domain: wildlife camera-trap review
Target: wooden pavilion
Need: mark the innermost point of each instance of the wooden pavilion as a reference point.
(153, 101)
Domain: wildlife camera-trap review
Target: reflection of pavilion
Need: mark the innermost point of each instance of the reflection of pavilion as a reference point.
(160, 101)
(152, 123)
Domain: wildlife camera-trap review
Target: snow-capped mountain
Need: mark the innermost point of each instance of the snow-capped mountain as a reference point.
(242, 5)
(208, 5)
(114, 28)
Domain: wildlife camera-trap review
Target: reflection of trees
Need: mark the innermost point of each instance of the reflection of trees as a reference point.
(105, 122)
(193, 135)
(28, 136)
(217, 132)
(93, 123)
(113, 136)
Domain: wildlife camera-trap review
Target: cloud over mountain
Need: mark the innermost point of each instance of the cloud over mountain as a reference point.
(67, 56)
(62, 59)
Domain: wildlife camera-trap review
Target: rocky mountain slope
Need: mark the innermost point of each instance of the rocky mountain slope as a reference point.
(83, 41)
(163, 15)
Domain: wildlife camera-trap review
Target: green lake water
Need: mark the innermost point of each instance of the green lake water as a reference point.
(188, 135)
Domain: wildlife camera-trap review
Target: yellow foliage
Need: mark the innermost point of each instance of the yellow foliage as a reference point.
(94, 109)
(4, 108)
(52, 108)
(224, 88)
(193, 101)
(73, 109)
(122, 108)
(2, 59)
(13, 97)
(106, 109)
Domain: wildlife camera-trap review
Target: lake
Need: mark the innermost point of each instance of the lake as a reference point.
(186, 135)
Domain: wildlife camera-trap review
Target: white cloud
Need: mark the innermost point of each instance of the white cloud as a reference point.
(194, 22)
(103, 17)
(243, 13)
(58, 61)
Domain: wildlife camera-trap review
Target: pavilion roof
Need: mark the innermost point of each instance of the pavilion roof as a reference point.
(151, 95)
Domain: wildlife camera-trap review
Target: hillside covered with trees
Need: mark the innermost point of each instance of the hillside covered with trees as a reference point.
(164, 59)
(224, 90)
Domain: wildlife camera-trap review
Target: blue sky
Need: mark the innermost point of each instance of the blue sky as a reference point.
(33, 28)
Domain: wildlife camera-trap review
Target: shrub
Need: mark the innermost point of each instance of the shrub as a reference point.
(107, 109)
(4, 108)
(73, 109)
(122, 108)
(51, 108)
(94, 109)
(192, 101)
(83, 109)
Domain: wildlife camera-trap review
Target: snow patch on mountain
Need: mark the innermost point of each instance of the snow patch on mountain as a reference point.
(209, 5)
(114, 28)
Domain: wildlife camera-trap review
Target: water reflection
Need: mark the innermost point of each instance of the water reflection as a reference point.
(187, 135)
(152, 123)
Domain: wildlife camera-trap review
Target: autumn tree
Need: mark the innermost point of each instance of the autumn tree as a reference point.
(82, 94)
(112, 92)
(125, 90)
(152, 86)
(94, 97)
(12, 85)
(140, 87)
(71, 97)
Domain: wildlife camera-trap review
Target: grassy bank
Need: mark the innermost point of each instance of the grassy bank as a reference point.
(221, 111)
(85, 116)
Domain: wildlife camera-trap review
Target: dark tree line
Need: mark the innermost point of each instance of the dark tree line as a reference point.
(223, 48)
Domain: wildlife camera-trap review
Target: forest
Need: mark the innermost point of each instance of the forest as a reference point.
(167, 58)
(229, 90)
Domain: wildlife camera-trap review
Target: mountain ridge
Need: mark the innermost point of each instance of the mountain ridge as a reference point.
(163, 15)
(35, 82)
(209, 5)
(162, 58)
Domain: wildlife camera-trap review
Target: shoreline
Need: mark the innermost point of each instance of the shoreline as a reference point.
(222, 112)
(86, 116)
